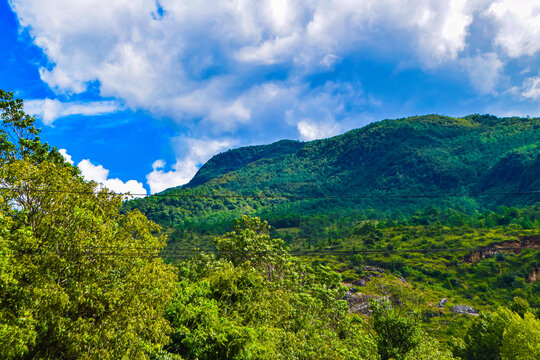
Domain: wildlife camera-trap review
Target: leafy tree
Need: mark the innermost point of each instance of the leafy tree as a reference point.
(396, 335)
(521, 338)
(255, 301)
(77, 278)
(18, 135)
(502, 335)
(429, 349)
(520, 306)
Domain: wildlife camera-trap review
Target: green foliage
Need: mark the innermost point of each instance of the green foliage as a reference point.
(18, 135)
(430, 155)
(250, 241)
(77, 278)
(255, 301)
(520, 306)
(429, 349)
(502, 335)
(396, 336)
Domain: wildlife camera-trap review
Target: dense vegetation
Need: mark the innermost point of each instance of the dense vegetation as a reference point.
(414, 156)
(492, 164)
(70, 286)
(81, 277)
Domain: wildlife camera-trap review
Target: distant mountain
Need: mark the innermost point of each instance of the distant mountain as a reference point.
(420, 155)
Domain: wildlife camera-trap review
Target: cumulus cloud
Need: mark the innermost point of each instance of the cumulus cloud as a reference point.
(531, 88)
(48, 110)
(518, 26)
(484, 71)
(66, 156)
(220, 67)
(173, 64)
(197, 151)
(100, 175)
(310, 130)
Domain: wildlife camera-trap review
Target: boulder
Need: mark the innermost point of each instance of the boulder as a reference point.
(442, 302)
(464, 309)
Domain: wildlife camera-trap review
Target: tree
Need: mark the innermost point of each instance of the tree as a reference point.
(521, 338)
(77, 278)
(502, 335)
(256, 301)
(19, 138)
(396, 335)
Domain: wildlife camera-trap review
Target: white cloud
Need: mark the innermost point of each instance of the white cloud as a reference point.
(48, 110)
(484, 71)
(310, 130)
(66, 156)
(100, 175)
(207, 63)
(198, 151)
(270, 51)
(531, 88)
(518, 26)
(173, 65)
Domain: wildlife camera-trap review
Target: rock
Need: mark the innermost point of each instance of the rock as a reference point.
(534, 275)
(373, 269)
(442, 302)
(359, 282)
(464, 309)
(402, 279)
(359, 303)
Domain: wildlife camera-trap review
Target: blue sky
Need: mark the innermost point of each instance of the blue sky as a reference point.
(140, 93)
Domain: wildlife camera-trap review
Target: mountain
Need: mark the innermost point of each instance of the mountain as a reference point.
(428, 154)
(376, 226)
(422, 155)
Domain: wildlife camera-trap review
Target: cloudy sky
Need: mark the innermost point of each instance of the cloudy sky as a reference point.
(140, 93)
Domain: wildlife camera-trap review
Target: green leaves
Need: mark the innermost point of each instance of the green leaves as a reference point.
(255, 301)
(89, 278)
(502, 335)
(18, 135)
(77, 278)
(396, 336)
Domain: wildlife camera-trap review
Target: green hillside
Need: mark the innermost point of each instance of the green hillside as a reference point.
(413, 156)
(428, 155)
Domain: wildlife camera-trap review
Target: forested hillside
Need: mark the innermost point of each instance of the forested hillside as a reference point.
(83, 278)
(427, 155)
(398, 199)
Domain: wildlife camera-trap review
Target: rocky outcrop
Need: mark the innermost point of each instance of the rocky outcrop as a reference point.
(534, 274)
(524, 242)
(359, 303)
(464, 309)
(442, 302)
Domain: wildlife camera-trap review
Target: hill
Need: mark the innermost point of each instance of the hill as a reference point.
(424, 155)
(377, 228)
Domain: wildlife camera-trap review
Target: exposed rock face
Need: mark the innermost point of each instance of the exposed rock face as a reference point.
(359, 282)
(359, 303)
(442, 302)
(373, 269)
(464, 309)
(525, 242)
(535, 273)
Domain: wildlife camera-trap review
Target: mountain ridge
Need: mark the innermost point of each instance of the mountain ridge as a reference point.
(427, 143)
(422, 155)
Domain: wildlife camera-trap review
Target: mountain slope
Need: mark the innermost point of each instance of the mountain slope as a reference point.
(416, 250)
(430, 153)
(419, 155)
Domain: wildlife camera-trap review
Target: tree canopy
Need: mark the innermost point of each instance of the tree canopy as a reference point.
(254, 300)
(77, 278)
